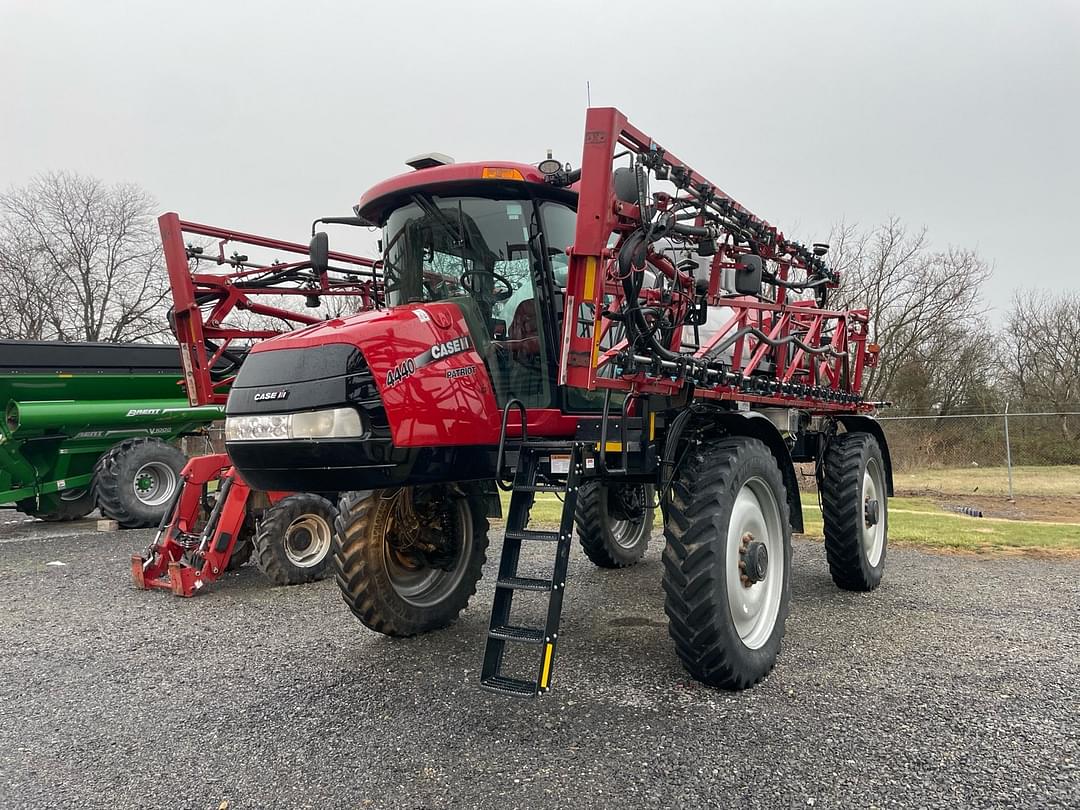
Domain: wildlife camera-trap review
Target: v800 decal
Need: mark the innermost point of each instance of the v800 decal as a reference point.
(440, 351)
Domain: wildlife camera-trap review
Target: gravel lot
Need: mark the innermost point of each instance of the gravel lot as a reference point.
(956, 684)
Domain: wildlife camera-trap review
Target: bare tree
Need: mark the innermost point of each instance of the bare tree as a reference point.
(26, 305)
(925, 306)
(1040, 354)
(84, 261)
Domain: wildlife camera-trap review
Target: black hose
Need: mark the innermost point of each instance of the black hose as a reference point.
(774, 342)
(809, 284)
(632, 255)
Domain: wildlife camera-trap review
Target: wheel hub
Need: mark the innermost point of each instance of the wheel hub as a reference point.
(307, 540)
(753, 560)
(871, 512)
(626, 502)
(154, 483)
(423, 534)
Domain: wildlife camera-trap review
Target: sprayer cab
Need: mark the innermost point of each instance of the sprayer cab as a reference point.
(473, 269)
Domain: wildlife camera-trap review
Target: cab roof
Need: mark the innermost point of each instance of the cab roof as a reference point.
(376, 199)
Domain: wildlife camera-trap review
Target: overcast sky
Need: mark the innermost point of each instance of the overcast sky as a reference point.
(963, 117)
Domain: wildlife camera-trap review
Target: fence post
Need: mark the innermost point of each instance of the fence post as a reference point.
(1008, 450)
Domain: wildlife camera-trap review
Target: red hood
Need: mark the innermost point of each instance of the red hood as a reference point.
(433, 383)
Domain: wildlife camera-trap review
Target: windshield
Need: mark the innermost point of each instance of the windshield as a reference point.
(445, 247)
(485, 255)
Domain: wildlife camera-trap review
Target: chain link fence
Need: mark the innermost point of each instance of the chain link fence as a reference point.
(983, 440)
(1005, 453)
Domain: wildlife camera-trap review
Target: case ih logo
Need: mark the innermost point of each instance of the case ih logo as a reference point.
(264, 396)
(440, 351)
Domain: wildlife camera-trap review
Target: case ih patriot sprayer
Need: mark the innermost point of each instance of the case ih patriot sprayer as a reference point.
(622, 335)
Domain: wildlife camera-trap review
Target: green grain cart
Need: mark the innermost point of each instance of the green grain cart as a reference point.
(93, 424)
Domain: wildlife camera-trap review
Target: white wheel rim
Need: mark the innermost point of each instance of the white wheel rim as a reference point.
(154, 483)
(873, 536)
(755, 608)
(307, 540)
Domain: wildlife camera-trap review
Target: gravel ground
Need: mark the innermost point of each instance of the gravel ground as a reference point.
(956, 684)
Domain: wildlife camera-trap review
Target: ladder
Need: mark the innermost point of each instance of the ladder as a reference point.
(529, 479)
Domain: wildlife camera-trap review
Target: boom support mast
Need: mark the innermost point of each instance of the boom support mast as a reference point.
(701, 252)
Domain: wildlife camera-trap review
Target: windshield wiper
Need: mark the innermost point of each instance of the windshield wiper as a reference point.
(426, 205)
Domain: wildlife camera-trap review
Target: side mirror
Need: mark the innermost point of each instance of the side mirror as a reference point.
(625, 181)
(748, 275)
(319, 252)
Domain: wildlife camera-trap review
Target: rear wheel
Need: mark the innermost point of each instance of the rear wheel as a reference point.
(855, 508)
(614, 522)
(295, 539)
(408, 560)
(727, 562)
(70, 504)
(135, 482)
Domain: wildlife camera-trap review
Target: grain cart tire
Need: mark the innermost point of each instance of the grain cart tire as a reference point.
(727, 562)
(855, 507)
(136, 480)
(295, 540)
(71, 504)
(607, 539)
(408, 560)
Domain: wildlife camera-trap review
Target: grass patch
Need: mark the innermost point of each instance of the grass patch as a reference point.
(918, 521)
(1044, 481)
(914, 521)
(546, 511)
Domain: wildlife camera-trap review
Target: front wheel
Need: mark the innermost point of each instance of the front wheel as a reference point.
(614, 522)
(727, 562)
(408, 559)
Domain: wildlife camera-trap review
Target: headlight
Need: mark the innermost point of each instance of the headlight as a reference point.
(336, 423)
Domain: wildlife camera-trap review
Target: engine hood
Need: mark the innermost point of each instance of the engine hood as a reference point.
(428, 367)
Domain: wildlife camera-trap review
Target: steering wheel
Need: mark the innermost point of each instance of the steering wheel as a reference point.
(496, 294)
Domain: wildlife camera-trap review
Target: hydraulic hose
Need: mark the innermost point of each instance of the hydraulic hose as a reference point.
(632, 255)
(774, 342)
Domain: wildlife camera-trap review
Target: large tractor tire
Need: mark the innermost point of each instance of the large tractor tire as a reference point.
(727, 562)
(136, 481)
(614, 522)
(855, 507)
(408, 560)
(71, 504)
(295, 540)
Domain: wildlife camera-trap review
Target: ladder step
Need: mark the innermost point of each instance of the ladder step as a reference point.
(523, 583)
(531, 534)
(509, 632)
(509, 686)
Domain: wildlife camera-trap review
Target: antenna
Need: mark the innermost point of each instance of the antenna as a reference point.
(588, 93)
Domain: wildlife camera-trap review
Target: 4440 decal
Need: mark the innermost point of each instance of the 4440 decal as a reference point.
(440, 351)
